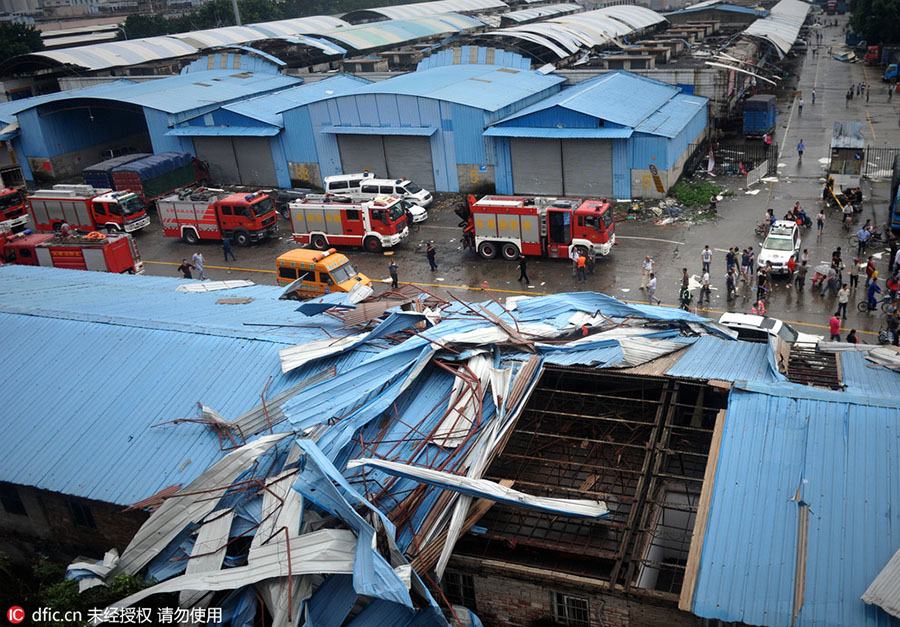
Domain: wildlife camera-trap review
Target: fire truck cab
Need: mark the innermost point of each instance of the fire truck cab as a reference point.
(13, 210)
(324, 221)
(538, 226)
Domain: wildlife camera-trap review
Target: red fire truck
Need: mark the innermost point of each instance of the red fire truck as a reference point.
(214, 214)
(330, 220)
(87, 208)
(539, 226)
(13, 210)
(95, 251)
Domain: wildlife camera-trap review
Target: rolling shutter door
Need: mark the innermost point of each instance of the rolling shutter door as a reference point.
(587, 167)
(409, 157)
(362, 152)
(255, 163)
(536, 166)
(218, 152)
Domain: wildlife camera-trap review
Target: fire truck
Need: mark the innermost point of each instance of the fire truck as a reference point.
(326, 220)
(539, 226)
(87, 208)
(94, 251)
(13, 210)
(214, 214)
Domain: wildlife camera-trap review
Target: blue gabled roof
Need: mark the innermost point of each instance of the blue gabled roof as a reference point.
(268, 108)
(619, 97)
(787, 445)
(488, 87)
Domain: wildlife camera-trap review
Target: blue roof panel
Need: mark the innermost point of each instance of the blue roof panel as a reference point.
(488, 87)
(714, 358)
(672, 117)
(863, 377)
(778, 451)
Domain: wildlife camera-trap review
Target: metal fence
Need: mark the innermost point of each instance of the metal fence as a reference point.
(879, 162)
(731, 159)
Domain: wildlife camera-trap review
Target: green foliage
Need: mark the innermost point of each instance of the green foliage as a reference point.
(878, 21)
(16, 39)
(63, 596)
(694, 194)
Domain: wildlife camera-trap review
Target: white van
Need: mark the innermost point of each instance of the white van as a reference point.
(404, 188)
(346, 183)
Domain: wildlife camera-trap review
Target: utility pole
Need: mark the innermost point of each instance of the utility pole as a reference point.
(237, 13)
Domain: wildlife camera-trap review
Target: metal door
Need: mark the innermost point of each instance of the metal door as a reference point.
(587, 167)
(255, 163)
(536, 166)
(409, 157)
(218, 152)
(362, 152)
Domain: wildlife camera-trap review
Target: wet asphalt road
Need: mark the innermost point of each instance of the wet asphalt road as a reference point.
(672, 246)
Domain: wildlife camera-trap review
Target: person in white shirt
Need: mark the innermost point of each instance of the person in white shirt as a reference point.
(651, 289)
(704, 288)
(646, 271)
(706, 258)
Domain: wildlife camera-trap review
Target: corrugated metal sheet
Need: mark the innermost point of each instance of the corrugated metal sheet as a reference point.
(527, 15)
(609, 97)
(392, 32)
(559, 133)
(487, 87)
(379, 130)
(637, 17)
(713, 358)
(670, 119)
(223, 131)
(465, 55)
(847, 135)
(715, 5)
(860, 376)
(131, 358)
(418, 9)
(268, 108)
(885, 589)
(782, 25)
(840, 458)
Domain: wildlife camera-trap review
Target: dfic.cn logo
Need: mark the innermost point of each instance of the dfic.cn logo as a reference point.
(15, 614)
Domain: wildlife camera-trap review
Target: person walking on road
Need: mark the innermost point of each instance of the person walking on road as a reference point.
(863, 235)
(800, 107)
(814, 95)
(431, 253)
(582, 266)
(802, 269)
(800, 148)
(745, 266)
(729, 286)
(706, 258)
(704, 287)
(834, 325)
(197, 260)
(843, 298)
(646, 271)
(870, 269)
(393, 270)
(591, 259)
(226, 248)
(854, 273)
(573, 255)
(523, 269)
(651, 289)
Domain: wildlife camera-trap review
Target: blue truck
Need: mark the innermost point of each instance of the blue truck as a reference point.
(759, 115)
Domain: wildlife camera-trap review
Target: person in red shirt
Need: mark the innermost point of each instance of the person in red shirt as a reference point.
(835, 326)
(791, 265)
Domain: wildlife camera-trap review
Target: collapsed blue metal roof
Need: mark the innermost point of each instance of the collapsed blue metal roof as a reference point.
(728, 8)
(488, 87)
(794, 459)
(610, 97)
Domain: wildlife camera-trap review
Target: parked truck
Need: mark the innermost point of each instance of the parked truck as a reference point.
(873, 55)
(13, 211)
(890, 73)
(536, 226)
(155, 176)
(214, 214)
(759, 115)
(373, 224)
(86, 208)
(101, 253)
(100, 175)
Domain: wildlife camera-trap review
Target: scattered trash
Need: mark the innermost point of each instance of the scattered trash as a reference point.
(753, 192)
(626, 289)
(543, 283)
(780, 165)
(440, 279)
(769, 179)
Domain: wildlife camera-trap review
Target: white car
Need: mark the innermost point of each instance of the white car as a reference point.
(782, 243)
(396, 187)
(419, 214)
(753, 328)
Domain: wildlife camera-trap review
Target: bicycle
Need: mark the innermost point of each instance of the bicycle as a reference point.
(875, 236)
(882, 304)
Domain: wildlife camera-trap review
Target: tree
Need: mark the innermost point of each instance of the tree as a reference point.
(16, 39)
(146, 25)
(877, 21)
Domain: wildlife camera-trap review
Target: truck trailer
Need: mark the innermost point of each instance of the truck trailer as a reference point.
(214, 214)
(100, 175)
(86, 208)
(96, 251)
(536, 226)
(759, 115)
(155, 176)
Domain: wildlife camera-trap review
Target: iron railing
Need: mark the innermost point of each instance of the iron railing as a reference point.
(730, 158)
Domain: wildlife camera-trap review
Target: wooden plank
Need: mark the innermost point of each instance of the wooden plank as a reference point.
(685, 602)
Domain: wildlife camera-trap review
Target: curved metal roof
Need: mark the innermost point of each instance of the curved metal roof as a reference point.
(782, 26)
(419, 9)
(543, 42)
(149, 49)
(635, 16)
(526, 15)
(377, 34)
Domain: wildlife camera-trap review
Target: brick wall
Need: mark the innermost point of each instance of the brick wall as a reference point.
(509, 599)
(48, 527)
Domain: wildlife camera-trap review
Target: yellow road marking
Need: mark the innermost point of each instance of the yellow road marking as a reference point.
(870, 125)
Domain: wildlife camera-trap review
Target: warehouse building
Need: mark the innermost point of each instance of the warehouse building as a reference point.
(598, 139)
(426, 125)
